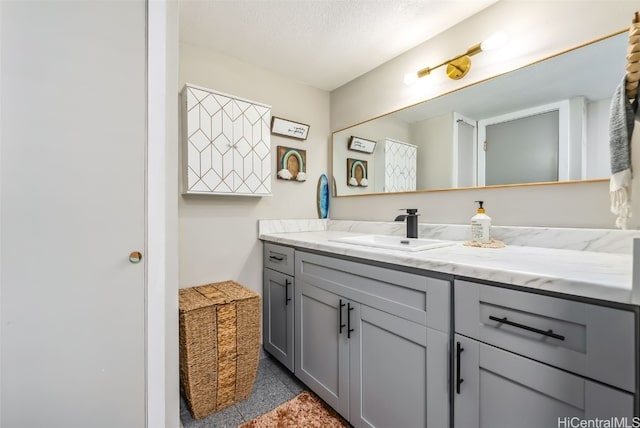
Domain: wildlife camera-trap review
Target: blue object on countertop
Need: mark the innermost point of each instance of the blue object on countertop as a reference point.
(323, 196)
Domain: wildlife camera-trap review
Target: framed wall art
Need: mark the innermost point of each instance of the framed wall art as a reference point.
(357, 173)
(361, 145)
(292, 164)
(289, 128)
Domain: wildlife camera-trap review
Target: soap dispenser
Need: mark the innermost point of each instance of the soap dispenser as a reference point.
(481, 226)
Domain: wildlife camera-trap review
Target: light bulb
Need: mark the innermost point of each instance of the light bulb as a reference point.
(495, 41)
(410, 78)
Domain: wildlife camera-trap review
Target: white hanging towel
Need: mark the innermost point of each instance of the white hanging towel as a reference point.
(621, 122)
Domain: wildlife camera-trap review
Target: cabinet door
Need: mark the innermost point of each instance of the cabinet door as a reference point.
(498, 389)
(400, 166)
(208, 139)
(398, 375)
(277, 313)
(321, 346)
(252, 148)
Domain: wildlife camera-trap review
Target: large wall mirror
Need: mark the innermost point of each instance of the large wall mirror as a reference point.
(546, 122)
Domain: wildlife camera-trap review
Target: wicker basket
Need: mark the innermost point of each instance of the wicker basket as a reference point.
(219, 345)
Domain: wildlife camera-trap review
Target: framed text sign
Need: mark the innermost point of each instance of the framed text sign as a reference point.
(289, 128)
(361, 145)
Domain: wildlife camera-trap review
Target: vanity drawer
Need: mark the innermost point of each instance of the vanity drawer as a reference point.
(594, 341)
(421, 299)
(279, 258)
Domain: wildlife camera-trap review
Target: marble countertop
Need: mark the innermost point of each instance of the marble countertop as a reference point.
(599, 275)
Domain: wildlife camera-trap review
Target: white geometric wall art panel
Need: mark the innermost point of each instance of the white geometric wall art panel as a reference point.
(227, 144)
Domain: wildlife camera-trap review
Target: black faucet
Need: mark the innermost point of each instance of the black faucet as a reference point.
(412, 222)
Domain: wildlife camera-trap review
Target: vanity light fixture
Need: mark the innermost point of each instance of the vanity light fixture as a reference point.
(458, 66)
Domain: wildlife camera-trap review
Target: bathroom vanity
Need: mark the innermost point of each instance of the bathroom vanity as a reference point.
(368, 335)
(524, 359)
(277, 303)
(453, 336)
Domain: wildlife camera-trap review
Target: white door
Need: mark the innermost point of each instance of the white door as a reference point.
(523, 150)
(73, 208)
(527, 146)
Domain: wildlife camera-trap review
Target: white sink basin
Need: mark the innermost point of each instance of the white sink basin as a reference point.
(394, 242)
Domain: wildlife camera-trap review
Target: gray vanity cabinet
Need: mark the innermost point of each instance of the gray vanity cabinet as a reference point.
(366, 344)
(398, 375)
(277, 303)
(322, 347)
(527, 360)
(499, 389)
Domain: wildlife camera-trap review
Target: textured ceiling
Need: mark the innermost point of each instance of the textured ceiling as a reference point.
(323, 43)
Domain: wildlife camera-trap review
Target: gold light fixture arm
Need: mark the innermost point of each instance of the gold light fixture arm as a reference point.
(459, 66)
(475, 49)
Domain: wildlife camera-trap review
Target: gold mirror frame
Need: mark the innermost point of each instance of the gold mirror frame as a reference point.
(593, 180)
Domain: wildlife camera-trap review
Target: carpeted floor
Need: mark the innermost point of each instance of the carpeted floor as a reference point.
(305, 410)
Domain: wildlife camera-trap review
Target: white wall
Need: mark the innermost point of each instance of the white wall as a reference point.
(577, 136)
(597, 155)
(434, 139)
(218, 234)
(537, 29)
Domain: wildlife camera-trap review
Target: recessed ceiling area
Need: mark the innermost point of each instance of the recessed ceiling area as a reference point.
(322, 43)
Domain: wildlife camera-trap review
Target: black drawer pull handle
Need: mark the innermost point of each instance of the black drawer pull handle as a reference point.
(548, 333)
(342, 305)
(459, 379)
(276, 258)
(287, 299)
(349, 329)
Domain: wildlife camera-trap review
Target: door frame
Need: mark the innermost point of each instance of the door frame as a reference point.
(457, 118)
(161, 217)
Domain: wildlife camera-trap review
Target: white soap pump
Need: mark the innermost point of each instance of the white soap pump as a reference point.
(481, 226)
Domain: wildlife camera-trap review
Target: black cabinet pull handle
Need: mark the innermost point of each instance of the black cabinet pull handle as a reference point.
(548, 333)
(349, 329)
(276, 258)
(459, 379)
(287, 299)
(342, 305)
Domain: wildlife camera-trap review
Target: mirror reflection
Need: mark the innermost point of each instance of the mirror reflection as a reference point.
(546, 122)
